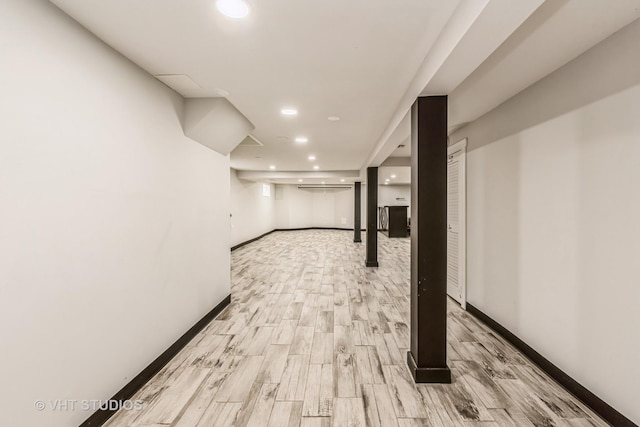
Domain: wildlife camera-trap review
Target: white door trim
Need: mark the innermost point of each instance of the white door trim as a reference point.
(460, 145)
(452, 149)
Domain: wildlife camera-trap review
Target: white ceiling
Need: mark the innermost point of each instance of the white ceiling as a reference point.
(403, 149)
(352, 59)
(362, 60)
(397, 175)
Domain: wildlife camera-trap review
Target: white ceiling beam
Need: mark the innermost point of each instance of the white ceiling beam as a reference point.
(474, 31)
(400, 135)
(459, 22)
(496, 22)
(269, 175)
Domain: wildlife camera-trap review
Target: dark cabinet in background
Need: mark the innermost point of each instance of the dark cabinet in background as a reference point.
(397, 217)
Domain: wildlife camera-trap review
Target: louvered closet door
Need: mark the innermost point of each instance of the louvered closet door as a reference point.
(454, 282)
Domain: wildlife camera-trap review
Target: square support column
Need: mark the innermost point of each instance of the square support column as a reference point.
(372, 217)
(357, 214)
(427, 358)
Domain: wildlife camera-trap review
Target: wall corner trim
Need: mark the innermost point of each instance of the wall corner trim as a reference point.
(101, 416)
(599, 406)
(246, 242)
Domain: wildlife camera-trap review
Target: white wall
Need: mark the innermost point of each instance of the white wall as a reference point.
(553, 208)
(252, 214)
(293, 207)
(300, 208)
(389, 195)
(114, 232)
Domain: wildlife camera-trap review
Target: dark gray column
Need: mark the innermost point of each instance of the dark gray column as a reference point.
(427, 358)
(357, 214)
(372, 217)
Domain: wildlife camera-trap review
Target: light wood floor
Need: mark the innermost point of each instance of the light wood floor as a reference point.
(313, 338)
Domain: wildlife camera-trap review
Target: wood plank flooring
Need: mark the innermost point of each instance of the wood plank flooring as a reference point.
(313, 338)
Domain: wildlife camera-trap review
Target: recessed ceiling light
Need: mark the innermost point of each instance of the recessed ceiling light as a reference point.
(302, 139)
(323, 182)
(300, 180)
(316, 167)
(386, 183)
(233, 8)
(393, 176)
(386, 180)
(312, 157)
(289, 111)
(333, 118)
(272, 167)
(342, 180)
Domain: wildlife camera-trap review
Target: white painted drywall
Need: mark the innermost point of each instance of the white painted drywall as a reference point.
(114, 227)
(215, 123)
(552, 218)
(300, 208)
(393, 195)
(252, 213)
